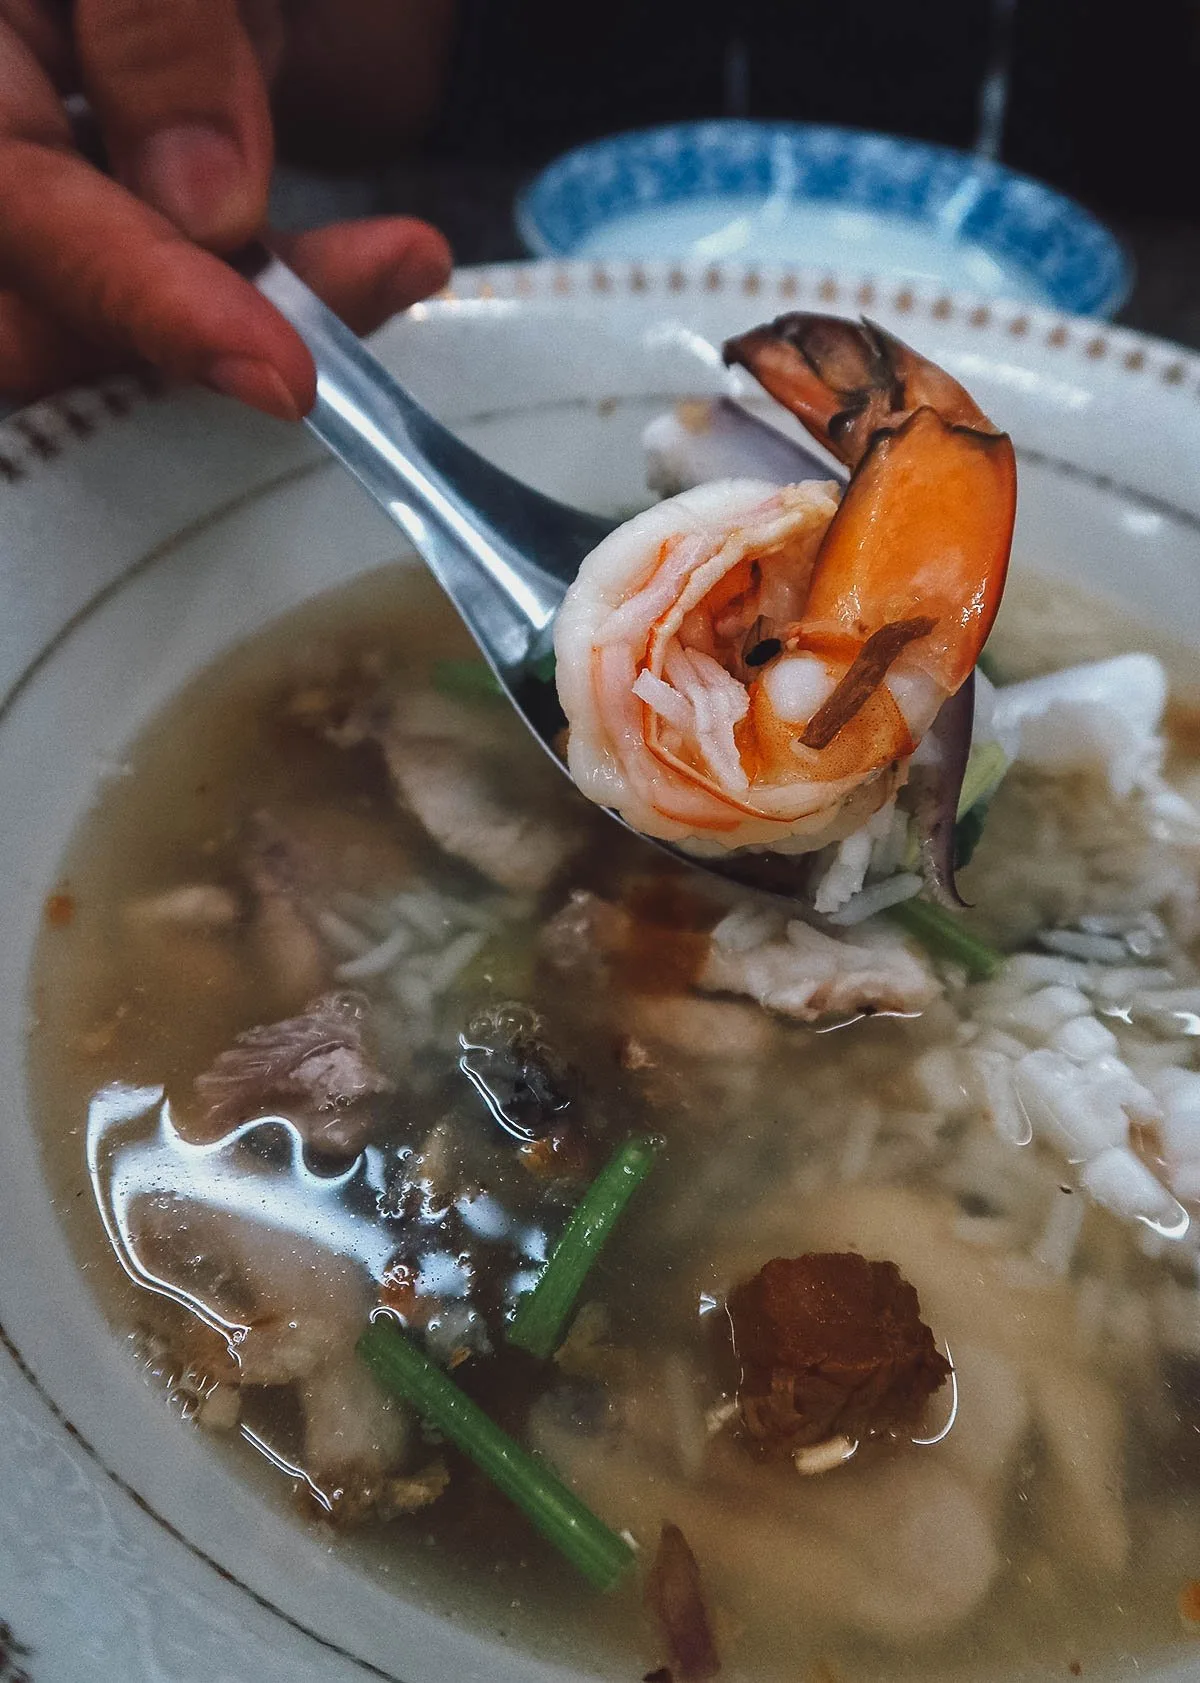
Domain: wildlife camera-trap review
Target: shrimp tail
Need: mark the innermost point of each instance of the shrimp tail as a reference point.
(847, 381)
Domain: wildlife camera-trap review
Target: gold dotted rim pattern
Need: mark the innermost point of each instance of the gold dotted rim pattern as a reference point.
(44, 431)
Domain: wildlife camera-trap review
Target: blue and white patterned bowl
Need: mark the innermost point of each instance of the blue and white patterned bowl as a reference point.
(843, 198)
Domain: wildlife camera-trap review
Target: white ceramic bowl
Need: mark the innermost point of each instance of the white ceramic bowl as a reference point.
(140, 536)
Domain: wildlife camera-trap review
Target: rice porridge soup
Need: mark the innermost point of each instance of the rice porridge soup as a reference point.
(671, 1279)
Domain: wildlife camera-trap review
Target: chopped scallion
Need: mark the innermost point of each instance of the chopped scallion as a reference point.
(470, 680)
(985, 772)
(943, 936)
(558, 1514)
(540, 1316)
(474, 679)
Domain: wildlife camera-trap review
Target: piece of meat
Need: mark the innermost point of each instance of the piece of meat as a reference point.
(992, 1419)
(356, 1495)
(349, 1419)
(699, 1028)
(527, 1086)
(316, 1065)
(583, 935)
(446, 787)
(676, 1595)
(440, 756)
(831, 1345)
(356, 1443)
(804, 973)
(897, 1547)
(1082, 1428)
(279, 874)
(300, 1304)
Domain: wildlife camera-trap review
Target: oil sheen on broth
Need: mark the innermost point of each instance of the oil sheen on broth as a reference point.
(498, 1017)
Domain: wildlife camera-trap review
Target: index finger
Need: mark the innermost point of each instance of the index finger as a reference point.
(118, 274)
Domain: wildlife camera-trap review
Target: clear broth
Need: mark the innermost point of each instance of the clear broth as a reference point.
(752, 1146)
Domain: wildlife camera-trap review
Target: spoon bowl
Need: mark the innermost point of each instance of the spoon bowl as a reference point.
(504, 553)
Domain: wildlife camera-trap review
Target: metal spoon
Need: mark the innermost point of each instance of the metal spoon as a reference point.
(502, 552)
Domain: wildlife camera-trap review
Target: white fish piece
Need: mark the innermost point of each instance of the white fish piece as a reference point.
(809, 975)
(349, 1421)
(1105, 715)
(902, 1549)
(994, 1415)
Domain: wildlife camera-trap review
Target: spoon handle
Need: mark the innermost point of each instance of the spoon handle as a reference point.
(503, 552)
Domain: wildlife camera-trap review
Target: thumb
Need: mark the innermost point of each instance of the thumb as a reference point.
(177, 90)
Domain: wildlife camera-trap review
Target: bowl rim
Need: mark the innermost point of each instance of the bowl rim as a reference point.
(1104, 269)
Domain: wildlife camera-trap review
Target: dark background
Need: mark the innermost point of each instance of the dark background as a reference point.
(1104, 102)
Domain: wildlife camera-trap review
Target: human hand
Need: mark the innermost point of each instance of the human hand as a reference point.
(97, 271)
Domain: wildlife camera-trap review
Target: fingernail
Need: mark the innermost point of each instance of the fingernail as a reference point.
(195, 175)
(255, 382)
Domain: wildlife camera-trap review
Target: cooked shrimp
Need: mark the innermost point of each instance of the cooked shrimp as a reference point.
(749, 665)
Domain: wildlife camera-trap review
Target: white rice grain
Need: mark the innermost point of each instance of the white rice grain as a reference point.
(845, 875)
(1083, 1038)
(938, 1075)
(876, 898)
(1122, 1183)
(445, 966)
(1039, 1014)
(1117, 986)
(346, 938)
(1073, 943)
(1008, 1116)
(1030, 970)
(425, 910)
(377, 960)
(746, 927)
(1077, 1115)
(824, 1457)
